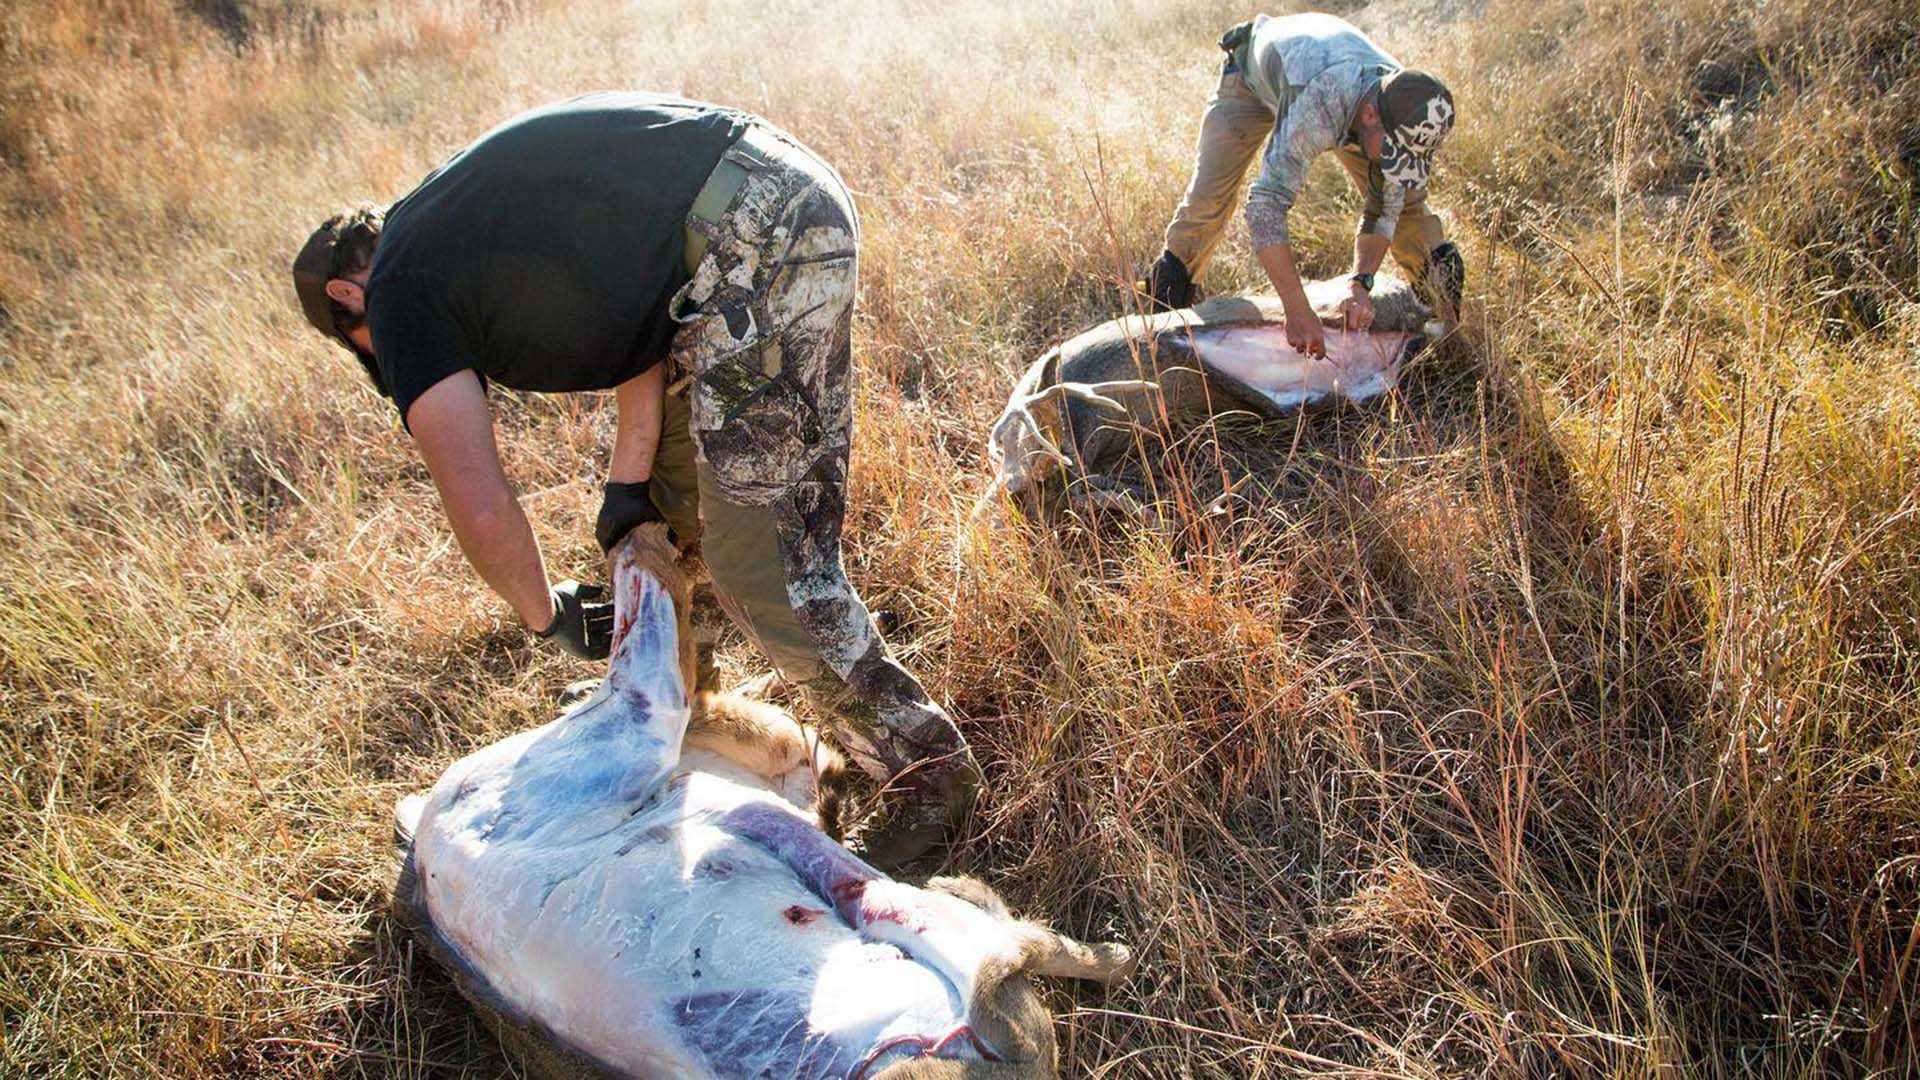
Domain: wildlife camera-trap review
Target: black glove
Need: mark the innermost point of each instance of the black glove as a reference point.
(622, 507)
(1168, 282)
(1236, 35)
(581, 625)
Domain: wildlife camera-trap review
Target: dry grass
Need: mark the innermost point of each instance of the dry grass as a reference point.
(1561, 715)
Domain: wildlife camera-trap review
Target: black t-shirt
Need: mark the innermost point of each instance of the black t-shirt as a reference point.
(544, 255)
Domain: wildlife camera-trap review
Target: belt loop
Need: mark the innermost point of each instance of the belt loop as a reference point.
(714, 200)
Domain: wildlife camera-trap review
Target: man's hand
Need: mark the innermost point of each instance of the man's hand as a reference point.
(1358, 308)
(1304, 332)
(581, 624)
(622, 507)
(1168, 283)
(1303, 323)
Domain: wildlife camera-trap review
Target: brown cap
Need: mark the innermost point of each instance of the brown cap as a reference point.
(311, 268)
(1416, 108)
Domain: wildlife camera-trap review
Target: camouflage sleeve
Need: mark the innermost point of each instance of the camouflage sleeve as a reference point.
(1311, 125)
(1266, 219)
(1393, 199)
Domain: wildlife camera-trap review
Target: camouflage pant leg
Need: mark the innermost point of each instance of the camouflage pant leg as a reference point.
(877, 708)
(766, 336)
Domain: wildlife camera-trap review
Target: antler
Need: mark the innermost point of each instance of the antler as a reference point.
(1024, 410)
(1094, 394)
(1091, 394)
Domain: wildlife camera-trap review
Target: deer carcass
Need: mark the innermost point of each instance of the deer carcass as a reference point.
(1083, 406)
(623, 896)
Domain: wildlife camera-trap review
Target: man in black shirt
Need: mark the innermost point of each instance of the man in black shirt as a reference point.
(624, 241)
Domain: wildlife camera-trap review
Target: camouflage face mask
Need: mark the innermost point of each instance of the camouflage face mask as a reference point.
(1397, 166)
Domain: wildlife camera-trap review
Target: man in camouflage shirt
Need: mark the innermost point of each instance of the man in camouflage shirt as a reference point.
(1306, 85)
(701, 264)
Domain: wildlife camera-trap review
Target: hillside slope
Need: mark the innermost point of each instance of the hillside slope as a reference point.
(1559, 715)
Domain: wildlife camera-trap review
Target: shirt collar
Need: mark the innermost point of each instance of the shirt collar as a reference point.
(1370, 76)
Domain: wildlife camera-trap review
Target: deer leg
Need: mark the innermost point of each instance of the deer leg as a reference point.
(1054, 953)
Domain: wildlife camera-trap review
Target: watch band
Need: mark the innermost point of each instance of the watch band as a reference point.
(1365, 281)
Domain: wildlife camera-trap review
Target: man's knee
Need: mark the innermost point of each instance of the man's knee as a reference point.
(741, 546)
(1418, 233)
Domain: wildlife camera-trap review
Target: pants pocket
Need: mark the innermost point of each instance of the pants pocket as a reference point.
(765, 334)
(757, 427)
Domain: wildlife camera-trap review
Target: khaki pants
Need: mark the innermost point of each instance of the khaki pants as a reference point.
(1232, 131)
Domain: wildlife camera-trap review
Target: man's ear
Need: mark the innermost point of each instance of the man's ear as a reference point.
(347, 294)
(1368, 116)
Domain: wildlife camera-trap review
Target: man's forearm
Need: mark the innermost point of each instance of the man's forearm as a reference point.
(499, 542)
(636, 436)
(1277, 261)
(454, 431)
(1369, 251)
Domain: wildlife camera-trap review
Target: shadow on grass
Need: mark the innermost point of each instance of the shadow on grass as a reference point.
(419, 1025)
(1448, 840)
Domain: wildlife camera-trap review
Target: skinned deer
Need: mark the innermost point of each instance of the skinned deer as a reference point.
(626, 896)
(1081, 407)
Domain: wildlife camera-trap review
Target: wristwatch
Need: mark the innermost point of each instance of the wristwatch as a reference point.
(1365, 281)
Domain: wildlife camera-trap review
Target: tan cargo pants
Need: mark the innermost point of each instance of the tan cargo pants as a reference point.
(1232, 131)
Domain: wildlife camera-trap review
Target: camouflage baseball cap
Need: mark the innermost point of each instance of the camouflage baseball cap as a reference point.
(1417, 110)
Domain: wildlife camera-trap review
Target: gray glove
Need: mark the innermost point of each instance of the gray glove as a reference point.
(581, 624)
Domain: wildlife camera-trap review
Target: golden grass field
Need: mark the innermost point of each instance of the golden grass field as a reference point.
(1558, 716)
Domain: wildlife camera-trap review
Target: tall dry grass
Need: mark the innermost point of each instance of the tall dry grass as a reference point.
(1558, 716)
